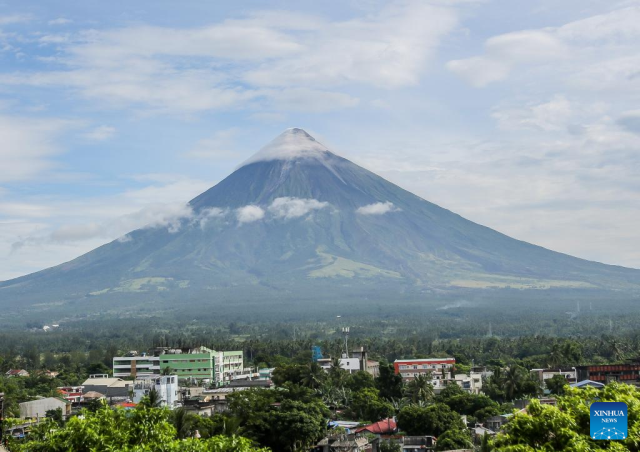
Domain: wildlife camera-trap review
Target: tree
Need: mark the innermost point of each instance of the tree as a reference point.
(431, 420)
(390, 446)
(420, 389)
(359, 380)
(313, 376)
(389, 383)
(138, 430)
(152, 400)
(454, 439)
(556, 384)
(566, 426)
(367, 405)
(182, 422)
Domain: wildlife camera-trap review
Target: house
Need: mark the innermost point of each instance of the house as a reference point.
(383, 427)
(545, 374)
(623, 373)
(478, 432)
(347, 443)
(38, 408)
(50, 373)
(413, 443)
(17, 373)
(71, 393)
(110, 387)
(588, 384)
(92, 395)
(471, 383)
(495, 423)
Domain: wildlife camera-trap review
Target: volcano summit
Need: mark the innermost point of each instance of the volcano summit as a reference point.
(297, 222)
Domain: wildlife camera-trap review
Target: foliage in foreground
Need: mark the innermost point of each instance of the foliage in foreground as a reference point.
(566, 426)
(140, 430)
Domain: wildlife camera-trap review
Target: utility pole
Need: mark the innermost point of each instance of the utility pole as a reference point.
(1, 418)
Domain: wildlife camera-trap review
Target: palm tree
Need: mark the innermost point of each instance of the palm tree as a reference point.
(182, 421)
(152, 400)
(313, 376)
(420, 389)
(511, 382)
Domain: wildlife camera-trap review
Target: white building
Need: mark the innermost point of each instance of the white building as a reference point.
(545, 374)
(165, 385)
(471, 383)
(37, 409)
(136, 366)
(351, 365)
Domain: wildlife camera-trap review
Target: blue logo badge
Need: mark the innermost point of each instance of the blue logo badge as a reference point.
(608, 420)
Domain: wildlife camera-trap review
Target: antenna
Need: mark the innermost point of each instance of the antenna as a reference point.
(345, 331)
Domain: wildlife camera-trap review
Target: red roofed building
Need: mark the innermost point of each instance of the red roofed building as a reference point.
(17, 373)
(383, 427)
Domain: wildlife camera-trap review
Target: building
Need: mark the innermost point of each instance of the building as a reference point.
(347, 443)
(110, 387)
(165, 385)
(545, 374)
(37, 409)
(417, 443)
(471, 383)
(584, 384)
(201, 364)
(17, 373)
(136, 366)
(383, 427)
(439, 368)
(72, 393)
(623, 373)
(358, 361)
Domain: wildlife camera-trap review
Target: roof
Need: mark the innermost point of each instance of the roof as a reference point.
(380, 427)
(584, 383)
(49, 399)
(424, 360)
(127, 404)
(109, 382)
(93, 395)
(15, 371)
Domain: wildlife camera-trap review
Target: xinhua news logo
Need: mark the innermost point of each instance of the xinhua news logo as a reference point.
(608, 420)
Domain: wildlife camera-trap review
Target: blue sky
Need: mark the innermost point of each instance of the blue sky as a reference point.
(523, 116)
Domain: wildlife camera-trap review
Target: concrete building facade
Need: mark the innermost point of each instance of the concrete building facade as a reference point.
(37, 409)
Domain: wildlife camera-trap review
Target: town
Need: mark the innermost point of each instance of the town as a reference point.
(352, 401)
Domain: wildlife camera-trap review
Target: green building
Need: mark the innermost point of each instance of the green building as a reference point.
(200, 363)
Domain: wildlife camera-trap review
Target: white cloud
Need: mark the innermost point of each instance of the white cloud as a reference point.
(209, 214)
(167, 215)
(549, 116)
(503, 52)
(249, 214)
(101, 133)
(378, 208)
(288, 208)
(280, 60)
(14, 19)
(585, 52)
(218, 146)
(60, 21)
(28, 146)
(390, 48)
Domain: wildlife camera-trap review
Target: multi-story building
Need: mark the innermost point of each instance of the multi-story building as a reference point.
(471, 383)
(166, 386)
(199, 363)
(136, 366)
(438, 368)
(624, 373)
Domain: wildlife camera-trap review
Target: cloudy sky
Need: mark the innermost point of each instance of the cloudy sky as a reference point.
(522, 116)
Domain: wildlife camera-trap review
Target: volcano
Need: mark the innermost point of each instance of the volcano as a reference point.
(298, 222)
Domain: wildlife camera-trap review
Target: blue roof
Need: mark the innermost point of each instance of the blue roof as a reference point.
(583, 383)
